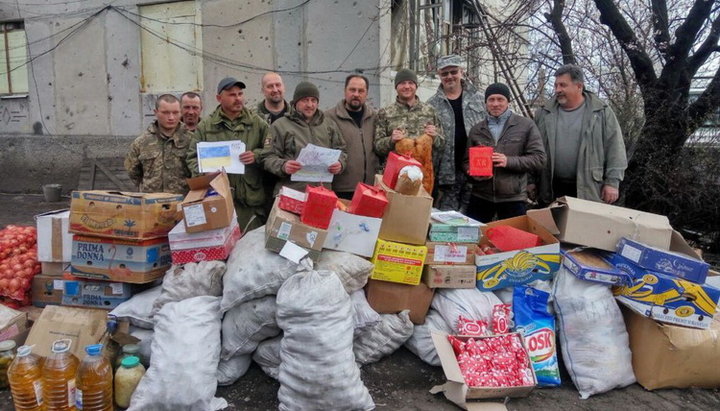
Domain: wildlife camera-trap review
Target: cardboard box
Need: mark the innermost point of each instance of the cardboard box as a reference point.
(368, 201)
(209, 204)
(453, 227)
(54, 241)
(47, 290)
(291, 200)
(601, 225)
(455, 388)
(56, 269)
(283, 226)
(12, 323)
(398, 263)
(83, 326)
(120, 260)
(114, 214)
(391, 298)
(203, 246)
(207, 253)
(668, 356)
(95, 294)
(517, 267)
(666, 298)
(593, 265)
(668, 262)
(356, 234)
(449, 276)
(406, 218)
(450, 253)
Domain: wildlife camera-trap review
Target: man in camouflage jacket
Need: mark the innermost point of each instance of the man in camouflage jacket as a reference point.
(156, 160)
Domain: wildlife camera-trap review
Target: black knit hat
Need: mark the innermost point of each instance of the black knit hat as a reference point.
(497, 88)
(305, 89)
(405, 75)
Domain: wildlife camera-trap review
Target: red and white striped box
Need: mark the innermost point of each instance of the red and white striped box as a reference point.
(203, 246)
(291, 200)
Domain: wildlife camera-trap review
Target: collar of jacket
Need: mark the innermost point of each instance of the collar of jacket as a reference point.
(299, 118)
(342, 111)
(262, 109)
(593, 101)
(180, 129)
(218, 117)
(467, 88)
(504, 116)
(407, 106)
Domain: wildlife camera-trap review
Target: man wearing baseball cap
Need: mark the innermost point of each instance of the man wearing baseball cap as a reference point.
(459, 106)
(231, 120)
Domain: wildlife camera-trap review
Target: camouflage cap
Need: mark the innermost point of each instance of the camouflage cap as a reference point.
(451, 60)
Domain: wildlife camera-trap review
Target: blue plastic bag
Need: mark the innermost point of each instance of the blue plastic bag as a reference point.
(537, 325)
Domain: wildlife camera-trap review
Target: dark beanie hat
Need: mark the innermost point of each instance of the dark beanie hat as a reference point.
(497, 88)
(405, 75)
(305, 89)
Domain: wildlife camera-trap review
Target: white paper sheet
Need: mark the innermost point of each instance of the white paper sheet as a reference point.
(218, 155)
(315, 161)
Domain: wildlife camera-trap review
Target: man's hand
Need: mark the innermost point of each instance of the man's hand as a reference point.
(610, 194)
(335, 168)
(292, 166)
(430, 130)
(247, 157)
(397, 135)
(499, 159)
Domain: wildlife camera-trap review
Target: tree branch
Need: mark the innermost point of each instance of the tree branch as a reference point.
(660, 25)
(688, 30)
(709, 46)
(708, 101)
(555, 17)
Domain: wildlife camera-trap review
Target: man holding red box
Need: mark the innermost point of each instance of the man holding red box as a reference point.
(517, 150)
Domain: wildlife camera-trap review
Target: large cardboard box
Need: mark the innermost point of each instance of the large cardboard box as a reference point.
(12, 323)
(450, 253)
(115, 214)
(120, 260)
(449, 276)
(83, 326)
(47, 290)
(56, 269)
(95, 294)
(669, 356)
(54, 241)
(593, 265)
(667, 262)
(510, 268)
(209, 204)
(391, 298)
(352, 233)
(398, 263)
(406, 218)
(283, 226)
(601, 225)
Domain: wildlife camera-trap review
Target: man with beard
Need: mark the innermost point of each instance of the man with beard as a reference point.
(273, 106)
(190, 109)
(583, 142)
(356, 121)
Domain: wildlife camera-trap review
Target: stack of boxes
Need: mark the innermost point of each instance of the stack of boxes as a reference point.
(54, 253)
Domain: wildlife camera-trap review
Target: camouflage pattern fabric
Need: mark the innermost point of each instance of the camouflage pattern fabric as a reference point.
(411, 119)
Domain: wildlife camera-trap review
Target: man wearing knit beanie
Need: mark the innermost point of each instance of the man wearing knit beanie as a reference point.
(517, 150)
(302, 126)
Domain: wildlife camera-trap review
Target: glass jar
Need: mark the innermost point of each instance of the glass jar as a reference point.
(127, 351)
(7, 355)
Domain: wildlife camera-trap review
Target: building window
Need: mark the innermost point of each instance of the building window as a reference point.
(171, 41)
(13, 59)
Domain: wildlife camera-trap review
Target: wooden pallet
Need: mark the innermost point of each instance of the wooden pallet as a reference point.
(105, 174)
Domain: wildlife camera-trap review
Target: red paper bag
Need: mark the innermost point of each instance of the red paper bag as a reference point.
(368, 201)
(481, 161)
(319, 206)
(395, 162)
(507, 238)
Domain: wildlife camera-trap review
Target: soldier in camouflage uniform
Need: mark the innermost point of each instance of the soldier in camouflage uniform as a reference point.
(407, 117)
(156, 160)
(456, 101)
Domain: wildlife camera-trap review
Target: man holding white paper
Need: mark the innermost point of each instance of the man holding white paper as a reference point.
(244, 133)
(304, 142)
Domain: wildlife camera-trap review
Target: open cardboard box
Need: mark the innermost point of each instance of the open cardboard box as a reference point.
(54, 241)
(83, 326)
(406, 218)
(203, 211)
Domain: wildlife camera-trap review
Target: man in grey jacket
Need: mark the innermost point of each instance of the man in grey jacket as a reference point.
(459, 105)
(583, 140)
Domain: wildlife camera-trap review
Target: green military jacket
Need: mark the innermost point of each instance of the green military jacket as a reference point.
(157, 163)
(412, 120)
(251, 130)
(264, 113)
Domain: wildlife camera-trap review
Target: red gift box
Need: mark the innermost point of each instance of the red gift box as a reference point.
(291, 200)
(507, 238)
(368, 201)
(319, 205)
(395, 163)
(481, 161)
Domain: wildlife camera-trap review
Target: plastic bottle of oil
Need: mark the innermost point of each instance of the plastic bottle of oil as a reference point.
(58, 377)
(94, 381)
(25, 379)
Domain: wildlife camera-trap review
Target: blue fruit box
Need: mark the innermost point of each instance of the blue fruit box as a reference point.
(95, 294)
(594, 265)
(510, 268)
(661, 261)
(666, 298)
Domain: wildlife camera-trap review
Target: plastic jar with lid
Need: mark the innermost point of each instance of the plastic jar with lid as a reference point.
(127, 351)
(7, 355)
(127, 378)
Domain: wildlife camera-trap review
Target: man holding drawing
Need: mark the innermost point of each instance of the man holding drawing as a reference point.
(232, 121)
(305, 129)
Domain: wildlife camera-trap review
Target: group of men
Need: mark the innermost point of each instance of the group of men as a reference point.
(573, 147)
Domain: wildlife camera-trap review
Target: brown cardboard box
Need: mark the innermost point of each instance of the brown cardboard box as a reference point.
(83, 326)
(55, 269)
(47, 290)
(13, 323)
(53, 238)
(670, 356)
(450, 253)
(407, 218)
(450, 276)
(202, 212)
(391, 298)
(398, 263)
(283, 226)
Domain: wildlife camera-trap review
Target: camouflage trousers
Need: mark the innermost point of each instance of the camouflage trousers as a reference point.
(455, 197)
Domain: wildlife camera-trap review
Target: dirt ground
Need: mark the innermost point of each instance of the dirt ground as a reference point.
(401, 381)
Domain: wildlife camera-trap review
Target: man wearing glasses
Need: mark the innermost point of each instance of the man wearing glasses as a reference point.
(459, 106)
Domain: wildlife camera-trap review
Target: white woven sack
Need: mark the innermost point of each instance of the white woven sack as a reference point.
(374, 342)
(244, 326)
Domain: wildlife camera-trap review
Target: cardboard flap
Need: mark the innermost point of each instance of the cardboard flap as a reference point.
(49, 213)
(221, 184)
(447, 358)
(544, 217)
(678, 244)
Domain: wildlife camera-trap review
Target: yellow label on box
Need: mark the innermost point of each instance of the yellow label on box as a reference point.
(398, 263)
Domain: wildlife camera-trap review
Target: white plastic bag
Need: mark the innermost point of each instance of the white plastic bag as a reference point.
(145, 336)
(471, 303)
(352, 270)
(420, 342)
(244, 326)
(593, 339)
(232, 369)
(191, 280)
(364, 316)
(318, 369)
(139, 308)
(267, 356)
(185, 355)
(374, 342)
